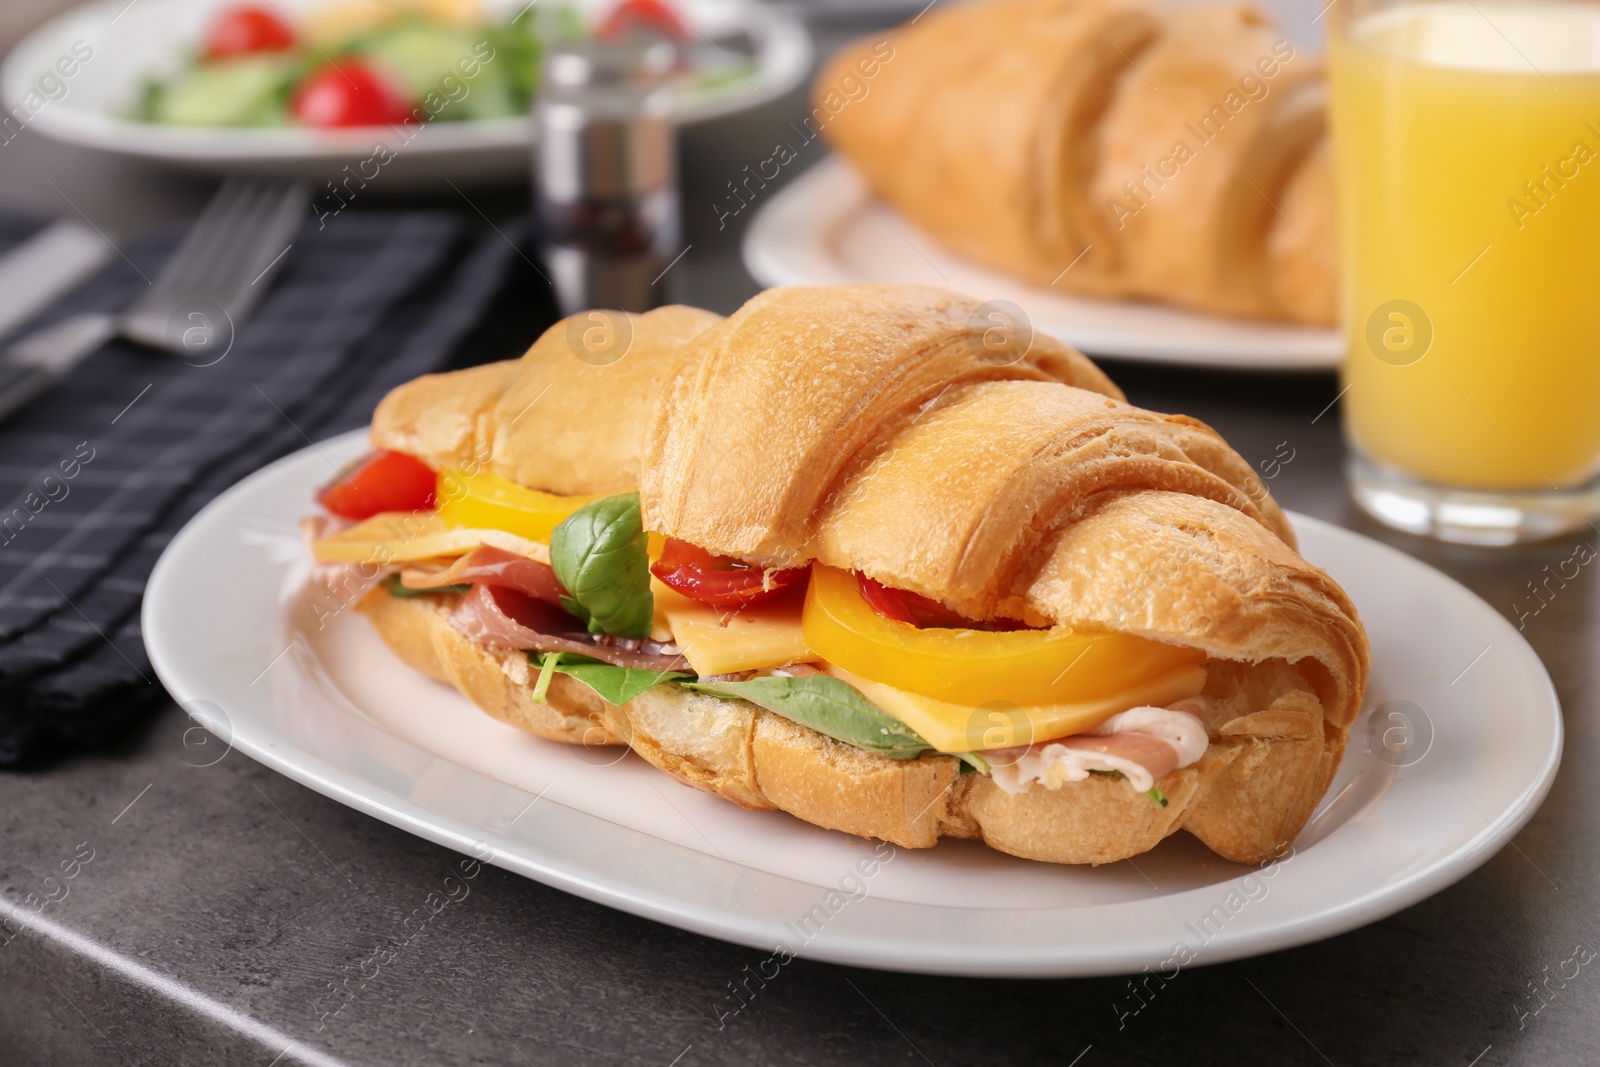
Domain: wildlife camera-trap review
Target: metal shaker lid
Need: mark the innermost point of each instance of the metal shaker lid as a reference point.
(581, 64)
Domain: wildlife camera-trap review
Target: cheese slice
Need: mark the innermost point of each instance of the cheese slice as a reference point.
(403, 536)
(958, 728)
(720, 642)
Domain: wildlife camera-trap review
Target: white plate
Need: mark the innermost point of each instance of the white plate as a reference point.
(235, 643)
(822, 229)
(132, 41)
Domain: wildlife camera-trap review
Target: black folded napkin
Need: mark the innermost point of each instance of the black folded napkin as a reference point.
(101, 471)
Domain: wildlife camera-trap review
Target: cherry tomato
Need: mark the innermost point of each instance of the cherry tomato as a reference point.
(923, 612)
(721, 581)
(348, 93)
(385, 481)
(655, 17)
(242, 30)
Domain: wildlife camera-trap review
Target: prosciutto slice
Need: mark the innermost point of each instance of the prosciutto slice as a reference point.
(347, 581)
(1144, 744)
(504, 617)
(493, 566)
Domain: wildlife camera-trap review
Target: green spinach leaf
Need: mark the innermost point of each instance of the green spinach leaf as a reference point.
(393, 587)
(972, 762)
(1157, 797)
(547, 671)
(829, 706)
(616, 685)
(598, 553)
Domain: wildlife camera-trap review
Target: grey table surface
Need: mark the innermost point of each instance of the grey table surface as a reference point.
(225, 905)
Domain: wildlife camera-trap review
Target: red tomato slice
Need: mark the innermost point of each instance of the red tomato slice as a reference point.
(923, 612)
(246, 29)
(348, 93)
(385, 481)
(654, 17)
(721, 581)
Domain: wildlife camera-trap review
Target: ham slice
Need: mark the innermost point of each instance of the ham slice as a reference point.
(347, 581)
(503, 617)
(1154, 754)
(493, 566)
(1143, 744)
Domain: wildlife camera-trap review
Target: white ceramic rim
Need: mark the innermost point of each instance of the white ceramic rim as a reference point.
(789, 243)
(634, 872)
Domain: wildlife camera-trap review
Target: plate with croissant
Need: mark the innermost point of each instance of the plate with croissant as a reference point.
(1144, 181)
(828, 629)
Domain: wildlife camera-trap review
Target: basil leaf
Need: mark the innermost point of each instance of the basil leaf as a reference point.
(829, 706)
(615, 685)
(574, 608)
(599, 555)
(393, 587)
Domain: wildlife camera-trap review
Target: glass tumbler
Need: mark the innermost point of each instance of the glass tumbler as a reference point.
(1467, 147)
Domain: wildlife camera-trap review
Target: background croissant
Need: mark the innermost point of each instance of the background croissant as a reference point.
(1114, 148)
(870, 428)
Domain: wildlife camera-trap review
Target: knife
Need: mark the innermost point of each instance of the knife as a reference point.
(44, 268)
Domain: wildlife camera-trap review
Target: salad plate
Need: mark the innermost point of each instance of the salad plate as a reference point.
(1458, 745)
(86, 78)
(823, 229)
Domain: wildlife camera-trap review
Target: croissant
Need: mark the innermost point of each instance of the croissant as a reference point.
(1113, 148)
(824, 444)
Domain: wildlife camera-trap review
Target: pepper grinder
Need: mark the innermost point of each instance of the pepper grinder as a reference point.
(606, 174)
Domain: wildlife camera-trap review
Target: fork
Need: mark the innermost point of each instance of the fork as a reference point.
(210, 284)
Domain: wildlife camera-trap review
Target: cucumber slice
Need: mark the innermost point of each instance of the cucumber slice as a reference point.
(422, 55)
(249, 91)
(489, 97)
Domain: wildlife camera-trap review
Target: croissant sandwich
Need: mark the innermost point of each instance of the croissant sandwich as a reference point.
(843, 555)
(1116, 148)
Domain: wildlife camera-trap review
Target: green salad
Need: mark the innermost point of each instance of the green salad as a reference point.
(359, 63)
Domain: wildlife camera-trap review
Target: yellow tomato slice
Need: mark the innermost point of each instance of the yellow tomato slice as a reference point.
(486, 502)
(974, 667)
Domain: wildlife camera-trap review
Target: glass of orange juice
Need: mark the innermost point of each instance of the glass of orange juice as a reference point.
(1467, 147)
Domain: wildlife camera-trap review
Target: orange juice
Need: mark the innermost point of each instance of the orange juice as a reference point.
(1467, 136)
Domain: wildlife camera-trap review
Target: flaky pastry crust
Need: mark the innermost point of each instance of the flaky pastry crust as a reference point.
(1116, 148)
(869, 428)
